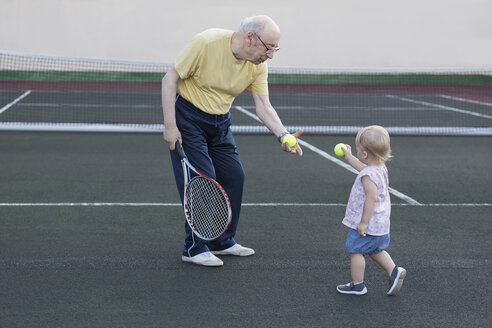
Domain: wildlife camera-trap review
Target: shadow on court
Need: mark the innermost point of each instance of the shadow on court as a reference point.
(116, 265)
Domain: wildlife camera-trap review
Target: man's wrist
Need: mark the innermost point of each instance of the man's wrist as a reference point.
(281, 135)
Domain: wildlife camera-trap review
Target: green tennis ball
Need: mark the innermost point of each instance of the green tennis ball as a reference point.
(340, 149)
(290, 139)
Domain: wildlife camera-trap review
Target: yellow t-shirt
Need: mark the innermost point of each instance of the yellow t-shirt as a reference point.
(211, 77)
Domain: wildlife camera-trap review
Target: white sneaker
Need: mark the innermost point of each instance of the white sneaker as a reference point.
(205, 259)
(236, 250)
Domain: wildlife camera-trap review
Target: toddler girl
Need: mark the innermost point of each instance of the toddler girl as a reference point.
(368, 211)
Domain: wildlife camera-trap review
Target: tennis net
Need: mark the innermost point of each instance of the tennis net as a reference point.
(54, 93)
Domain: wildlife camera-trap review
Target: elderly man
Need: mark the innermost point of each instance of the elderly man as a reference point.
(197, 93)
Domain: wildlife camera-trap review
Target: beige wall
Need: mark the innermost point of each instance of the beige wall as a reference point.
(315, 33)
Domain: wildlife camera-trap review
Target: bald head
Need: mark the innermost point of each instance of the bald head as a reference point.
(256, 40)
(259, 24)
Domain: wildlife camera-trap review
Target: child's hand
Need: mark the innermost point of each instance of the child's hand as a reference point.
(361, 229)
(348, 150)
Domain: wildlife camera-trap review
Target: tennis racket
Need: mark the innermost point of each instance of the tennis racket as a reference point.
(206, 205)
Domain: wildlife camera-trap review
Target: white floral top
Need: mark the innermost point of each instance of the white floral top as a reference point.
(380, 221)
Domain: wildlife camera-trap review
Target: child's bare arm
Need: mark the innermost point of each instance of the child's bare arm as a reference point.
(371, 191)
(352, 160)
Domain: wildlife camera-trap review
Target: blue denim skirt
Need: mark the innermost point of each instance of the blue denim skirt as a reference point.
(366, 245)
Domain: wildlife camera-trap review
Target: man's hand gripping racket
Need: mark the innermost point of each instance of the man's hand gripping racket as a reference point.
(206, 205)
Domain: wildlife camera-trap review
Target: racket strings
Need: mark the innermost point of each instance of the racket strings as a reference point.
(208, 207)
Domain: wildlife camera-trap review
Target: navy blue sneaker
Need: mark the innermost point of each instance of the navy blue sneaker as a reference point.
(359, 289)
(396, 280)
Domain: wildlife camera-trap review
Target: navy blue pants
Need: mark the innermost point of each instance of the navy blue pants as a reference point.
(211, 149)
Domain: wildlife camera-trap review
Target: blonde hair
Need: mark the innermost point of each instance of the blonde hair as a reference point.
(376, 140)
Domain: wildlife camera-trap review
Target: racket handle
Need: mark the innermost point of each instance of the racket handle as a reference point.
(179, 150)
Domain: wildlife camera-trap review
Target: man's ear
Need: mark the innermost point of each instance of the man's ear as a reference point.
(251, 36)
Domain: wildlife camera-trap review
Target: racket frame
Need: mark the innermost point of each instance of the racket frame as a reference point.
(188, 215)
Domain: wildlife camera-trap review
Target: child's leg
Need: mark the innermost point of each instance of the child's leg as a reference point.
(384, 260)
(357, 267)
(396, 274)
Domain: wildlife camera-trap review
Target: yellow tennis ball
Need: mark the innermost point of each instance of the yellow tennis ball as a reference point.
(340, 149)
(290, 139)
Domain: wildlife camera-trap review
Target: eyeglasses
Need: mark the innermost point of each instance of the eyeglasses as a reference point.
(268, 49)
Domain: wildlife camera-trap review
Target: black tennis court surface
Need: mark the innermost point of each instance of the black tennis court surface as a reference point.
(91, 229)
(91, 236)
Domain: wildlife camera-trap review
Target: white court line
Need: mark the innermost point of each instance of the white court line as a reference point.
(440, 106)
(25, 94)
(245, 204)
(48, 105)
(321, 108)
(324, 154)
(246, 112)
(466, 100)
(395, 192)
(85, 204)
